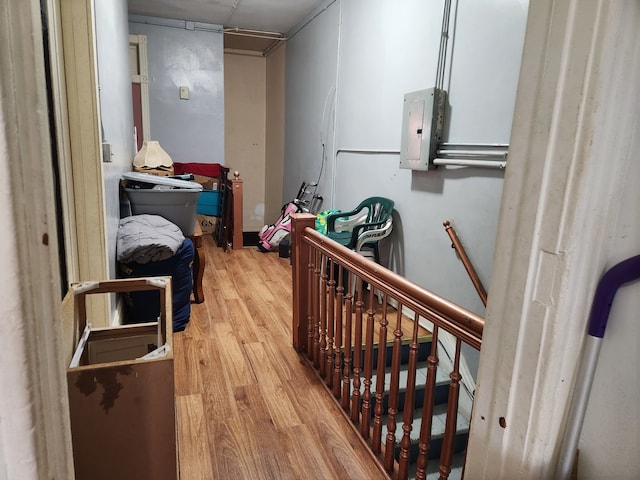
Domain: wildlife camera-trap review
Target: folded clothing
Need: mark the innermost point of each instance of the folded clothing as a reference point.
(147, 238)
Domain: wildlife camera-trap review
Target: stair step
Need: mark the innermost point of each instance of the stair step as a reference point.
(424, 349)
(441, 393)
(457, 464)
(437, 433)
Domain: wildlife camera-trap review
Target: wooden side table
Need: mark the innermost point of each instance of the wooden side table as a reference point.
(198, 263)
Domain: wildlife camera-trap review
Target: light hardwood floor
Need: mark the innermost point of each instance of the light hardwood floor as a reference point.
(248, 407)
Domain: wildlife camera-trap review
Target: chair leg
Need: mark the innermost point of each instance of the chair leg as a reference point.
(376, 257)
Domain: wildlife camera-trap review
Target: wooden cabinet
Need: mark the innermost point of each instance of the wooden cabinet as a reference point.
(121, 391)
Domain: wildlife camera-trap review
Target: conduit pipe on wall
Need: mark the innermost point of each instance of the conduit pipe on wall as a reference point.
(496, 160)
(624, 272)
(367, 152)
(488, 155)
(463, 162)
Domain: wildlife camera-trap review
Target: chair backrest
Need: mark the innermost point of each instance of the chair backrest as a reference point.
(376, 225)
(371, 214)
(379, 209)
(372, 234)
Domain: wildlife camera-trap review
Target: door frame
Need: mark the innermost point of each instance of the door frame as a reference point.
(141, 76)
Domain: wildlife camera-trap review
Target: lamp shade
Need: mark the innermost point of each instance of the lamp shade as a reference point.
(152, 155)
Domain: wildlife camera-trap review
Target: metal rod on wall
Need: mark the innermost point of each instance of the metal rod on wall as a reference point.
(463, 162)
(488, 155)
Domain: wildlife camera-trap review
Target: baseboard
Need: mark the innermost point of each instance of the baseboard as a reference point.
(250, 239)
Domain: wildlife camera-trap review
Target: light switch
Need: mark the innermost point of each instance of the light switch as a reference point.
(184, 93)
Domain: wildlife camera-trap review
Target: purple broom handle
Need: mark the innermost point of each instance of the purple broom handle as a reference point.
(624, 272)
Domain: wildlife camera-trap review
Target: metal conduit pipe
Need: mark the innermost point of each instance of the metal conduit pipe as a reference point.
(367, 151)
(488, 155)
(624, 272)
(445, 145)
(466, 162)
(470, 153)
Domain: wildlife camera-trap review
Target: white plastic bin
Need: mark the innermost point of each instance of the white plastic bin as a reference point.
(173, 199)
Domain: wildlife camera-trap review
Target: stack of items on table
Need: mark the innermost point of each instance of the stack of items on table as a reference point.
(150, 245)
(211, 176)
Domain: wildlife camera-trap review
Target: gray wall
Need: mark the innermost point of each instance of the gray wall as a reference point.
(185, 54)
(116, 115)
(372, 53)
(310, 79)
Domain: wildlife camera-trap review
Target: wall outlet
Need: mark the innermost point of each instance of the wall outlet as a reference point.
(106, 152)
(184, 93)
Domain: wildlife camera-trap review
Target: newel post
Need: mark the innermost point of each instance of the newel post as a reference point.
(236, 185)
(300, 276)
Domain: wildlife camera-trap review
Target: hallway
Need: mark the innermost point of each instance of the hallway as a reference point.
(247, 404)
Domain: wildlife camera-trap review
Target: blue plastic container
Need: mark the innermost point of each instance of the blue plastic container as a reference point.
(208, 202)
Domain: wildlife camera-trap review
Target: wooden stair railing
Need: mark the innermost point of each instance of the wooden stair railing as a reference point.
(358, 350)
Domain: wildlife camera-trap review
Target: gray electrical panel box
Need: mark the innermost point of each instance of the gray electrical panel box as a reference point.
(422, 120)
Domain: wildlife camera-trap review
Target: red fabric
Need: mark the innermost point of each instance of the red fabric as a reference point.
(206, 169)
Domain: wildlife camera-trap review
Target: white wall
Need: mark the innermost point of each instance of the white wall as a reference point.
(611, 432)
(185, 54)
(310, 79)
(274, 157)
(245, 131)
(116, 116)
(375, 52)
(570, 211)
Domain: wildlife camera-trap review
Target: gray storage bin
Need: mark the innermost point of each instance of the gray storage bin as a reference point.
(173, 199)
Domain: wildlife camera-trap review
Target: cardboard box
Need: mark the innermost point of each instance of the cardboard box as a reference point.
(121, 391)
(207, 223)
(208, 183)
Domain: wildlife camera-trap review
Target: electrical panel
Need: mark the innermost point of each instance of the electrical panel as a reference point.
(422, 121)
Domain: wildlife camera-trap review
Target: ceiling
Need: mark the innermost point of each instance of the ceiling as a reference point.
(237, 16)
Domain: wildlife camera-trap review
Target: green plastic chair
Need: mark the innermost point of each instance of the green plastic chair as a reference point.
(363, 227)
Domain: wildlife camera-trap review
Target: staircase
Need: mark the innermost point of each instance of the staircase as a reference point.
(439, 411)
(330, 322)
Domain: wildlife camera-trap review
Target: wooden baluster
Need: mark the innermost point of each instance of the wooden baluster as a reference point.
(390, 444)
(357, 358)
(365, 422)
(316, 308)
(301, 282)
(310, 301)
(376, 442)
(452, 416)
(427, 409)
(323, 315)
(236, 185)
(225, 228)
(337, 364)
(409, 404)
(346, 371)
(331, 305)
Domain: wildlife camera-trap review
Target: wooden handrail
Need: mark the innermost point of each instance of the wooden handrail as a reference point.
(456, 244)
(451, 317)
(345, 338)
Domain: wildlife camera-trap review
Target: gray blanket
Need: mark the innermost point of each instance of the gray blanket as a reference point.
(147, 238)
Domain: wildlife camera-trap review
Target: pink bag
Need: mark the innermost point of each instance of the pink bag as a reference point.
(271, 235)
